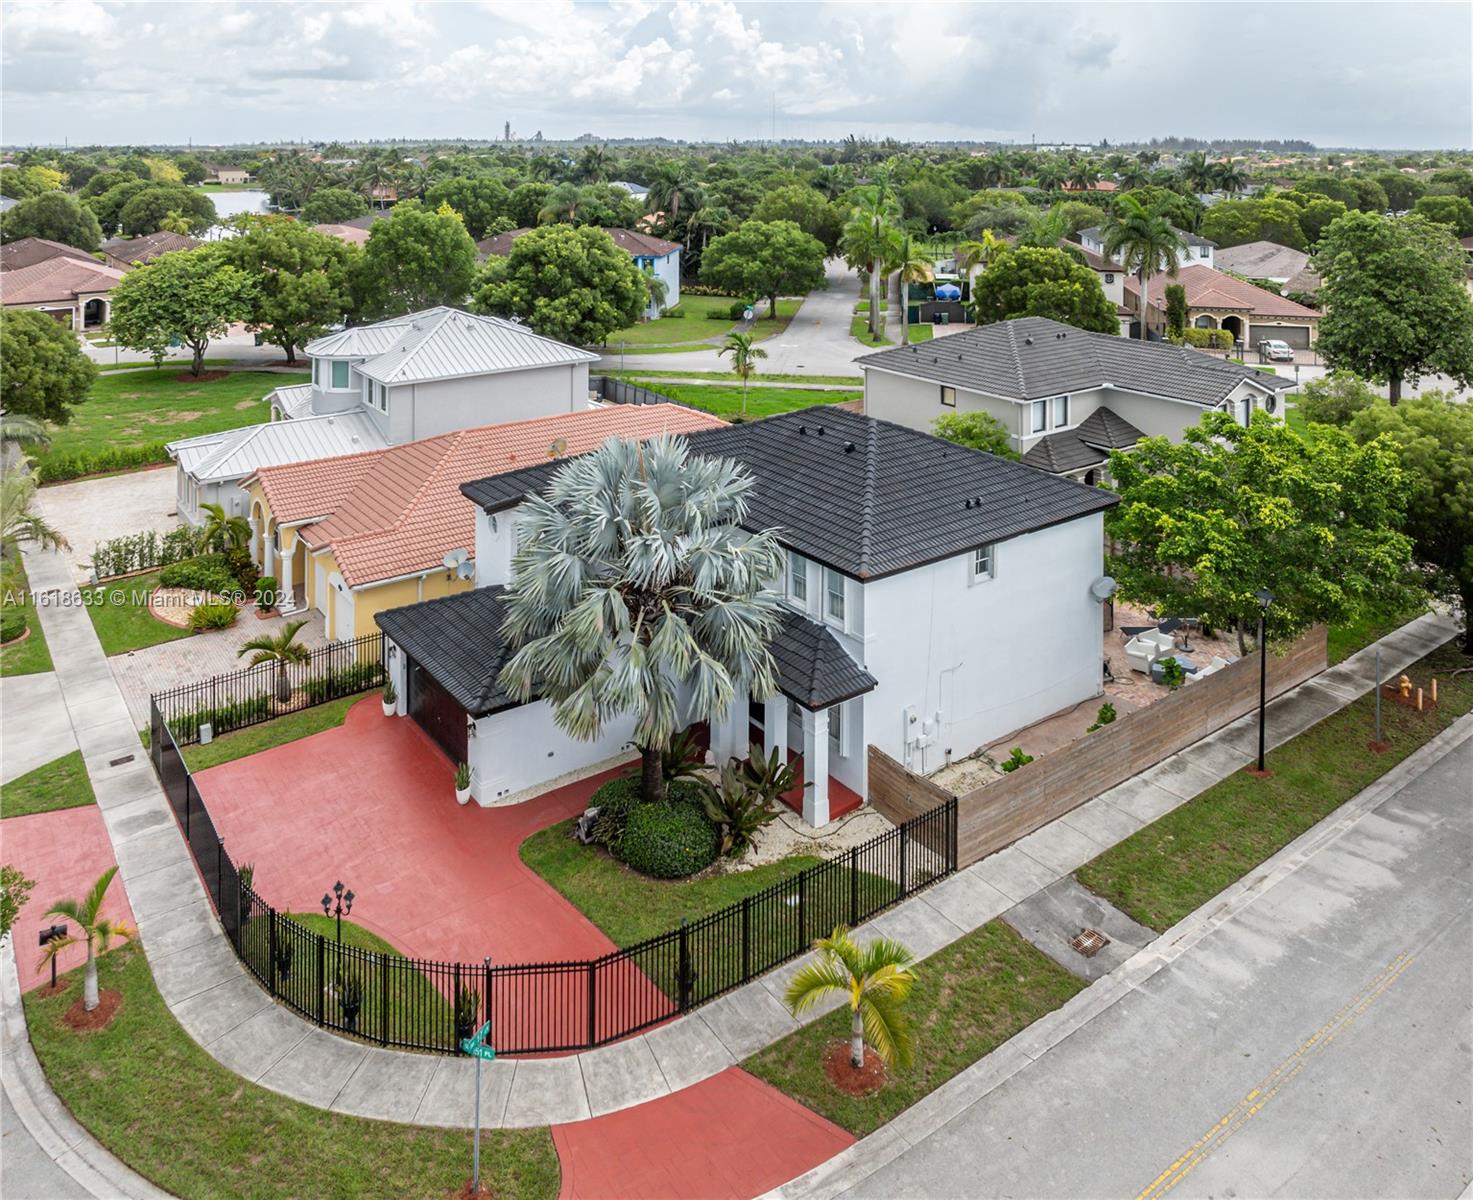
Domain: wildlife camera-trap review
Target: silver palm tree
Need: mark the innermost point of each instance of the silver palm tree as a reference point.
(636, 587)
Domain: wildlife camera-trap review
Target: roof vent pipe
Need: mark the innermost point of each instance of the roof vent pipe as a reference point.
(1027, 341)
(848, 447)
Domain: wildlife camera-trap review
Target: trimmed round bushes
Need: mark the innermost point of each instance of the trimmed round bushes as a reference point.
(207, 573)
(12, 624)
(614, 801)
(669, 840)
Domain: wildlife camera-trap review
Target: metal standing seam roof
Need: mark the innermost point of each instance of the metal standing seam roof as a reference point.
(444, 343)
(868, 498)
(1033, 358)
(458, 640)
(241, 452)
(294, 401)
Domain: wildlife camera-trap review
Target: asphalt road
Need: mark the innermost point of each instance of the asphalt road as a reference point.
(1315, 1045)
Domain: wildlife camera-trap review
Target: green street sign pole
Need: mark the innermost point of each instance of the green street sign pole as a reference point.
(476, 1047)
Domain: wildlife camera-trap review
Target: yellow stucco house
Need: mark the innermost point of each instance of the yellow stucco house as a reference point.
(360, 533)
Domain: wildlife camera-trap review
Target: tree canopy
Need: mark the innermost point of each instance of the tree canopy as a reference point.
(575, 285)
(52, 215)
(1234, 222)
(484, 202)
(151, 207)
(765, 258)
(1203, 525)
(46, 372)
(978, 430)
(1032, 281)
(807, 209)
(191, 295)
(333, 206)
(416, 259)
(1456, 212)
(1395, 299)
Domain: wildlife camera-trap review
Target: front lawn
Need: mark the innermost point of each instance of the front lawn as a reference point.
(1176, 864)
(148, 1093)
(61, 783)
(706, 322)
(726, 402)
(122, 618)
(859, 330)
(138, 411)
(658, 374)
(276, 732)
(969, 998)
(30, 656)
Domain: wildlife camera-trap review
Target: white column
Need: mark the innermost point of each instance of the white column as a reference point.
(727, 737)
(775, 725)
(288, 602)
(268, 552)
(816, 767)
(258, 543)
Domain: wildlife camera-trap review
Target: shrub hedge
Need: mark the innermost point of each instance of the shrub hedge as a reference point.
(12, 624)
(207, 573)
(360, 677)
(669, 840)
(56, 466)
(144, 551)
(221, 719)
(213, 616)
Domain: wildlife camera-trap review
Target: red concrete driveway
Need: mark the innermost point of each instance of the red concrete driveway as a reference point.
(728, 1136)
(64, 852)
(373, 803)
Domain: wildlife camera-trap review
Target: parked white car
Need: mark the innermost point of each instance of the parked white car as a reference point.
(1275, 350)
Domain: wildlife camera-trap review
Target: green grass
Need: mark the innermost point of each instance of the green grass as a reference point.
(276, 732)
(61, 783)
(1344, 640)
(969, 998)
(859, 330)
(155, 407)
(157, 1101)
(122, 618)
(1176, 864)
(173, 366)
(707, 322)
(656, 374)
(726, 402)
(1294, 419)
(32, 655)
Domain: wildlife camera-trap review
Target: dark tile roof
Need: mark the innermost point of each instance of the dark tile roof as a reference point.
(457, 639)
(1032, 358)
(866, 497)
(1061, 452)
(812, 667)
(1109, 431)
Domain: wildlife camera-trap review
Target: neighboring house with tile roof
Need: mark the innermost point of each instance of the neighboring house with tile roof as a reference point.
(354, 235)
(29, 251)
(1216, 300)
(136, 251)
(365, 532)
(74, 291)
(910, 564)
(398, 381)
(1045, 382)
(650, 253)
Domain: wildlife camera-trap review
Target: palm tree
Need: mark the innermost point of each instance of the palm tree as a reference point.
(977, 252)
(562, 204)
(1082, 175)
(594, 164)
(744, 356)
(910, 265)
(868, 241)
(1143, 241)
(91, 925)
(673, 186)
(1196, 171)
(1051, 174)
(1134, 175)
(1047, 229)
(635, 583)
(24, 430)
(834, 180)
(17, 522)
(1229, 177)
(283, 650)
(710, 220)
(876, 978)
(222, 533)
(655, 289)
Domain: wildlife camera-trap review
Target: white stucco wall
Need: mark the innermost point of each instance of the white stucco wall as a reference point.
(917, 402)
(426, 409)
(513, 752)
(668, 270)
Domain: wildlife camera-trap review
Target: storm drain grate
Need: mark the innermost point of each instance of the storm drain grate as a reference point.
(1090, 942)
(118, 762)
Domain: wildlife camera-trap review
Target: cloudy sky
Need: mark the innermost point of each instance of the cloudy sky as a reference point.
(1338, 74)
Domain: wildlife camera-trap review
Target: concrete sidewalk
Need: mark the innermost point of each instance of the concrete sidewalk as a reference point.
(226, 1011)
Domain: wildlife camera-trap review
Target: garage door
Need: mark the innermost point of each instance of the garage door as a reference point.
(438, 712)
(1295, 335)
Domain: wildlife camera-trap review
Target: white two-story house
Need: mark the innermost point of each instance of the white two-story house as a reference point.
(385, 384)
(1066, 396)
(936, 599)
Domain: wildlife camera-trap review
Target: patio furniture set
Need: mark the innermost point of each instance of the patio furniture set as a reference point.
(1150, 648)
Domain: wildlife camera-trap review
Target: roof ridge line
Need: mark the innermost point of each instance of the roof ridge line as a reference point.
(866, 525)
(428, 333)
(1017, 359)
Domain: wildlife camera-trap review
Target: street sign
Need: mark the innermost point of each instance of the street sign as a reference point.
(475, 1045)
(747, 314)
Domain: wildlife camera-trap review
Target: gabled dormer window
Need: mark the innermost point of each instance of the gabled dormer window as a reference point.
(833, 595)
(339, 374)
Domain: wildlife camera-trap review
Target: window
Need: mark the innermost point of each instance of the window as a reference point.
(834, 594)
(317, 372)
(836, 727)
(798, 577)
(983, 561)
(339, 374)
(948, 396)
(1061, 411)
(1040, 415)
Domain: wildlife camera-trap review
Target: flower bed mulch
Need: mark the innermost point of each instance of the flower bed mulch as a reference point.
(78, 1018)
(865, 1081)
(184, 600)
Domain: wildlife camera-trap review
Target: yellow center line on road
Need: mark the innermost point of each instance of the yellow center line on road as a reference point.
(1275, 1081)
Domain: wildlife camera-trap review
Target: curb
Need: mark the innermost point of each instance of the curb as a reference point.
(46, 1118)
(867, 1156)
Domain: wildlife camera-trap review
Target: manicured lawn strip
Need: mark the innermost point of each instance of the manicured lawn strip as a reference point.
(173, 366)
(1176, 864)
(276, 732)
(704, 318)
(149, 1094)
(969, 998)
(122, 618)
(726, 402)
(655, 373)
(61, 783)
(1344, 640)
(32, 655)
(859, 329)
(153, 407)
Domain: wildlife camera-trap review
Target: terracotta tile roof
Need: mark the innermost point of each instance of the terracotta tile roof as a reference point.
(402, 510)
(148, 247)
(357, 235)
(633, 241)
(57, 279)
(28, 252)
(1207, 288)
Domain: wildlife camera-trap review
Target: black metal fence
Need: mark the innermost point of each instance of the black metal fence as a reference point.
(547, 1007)
(248, 697)
(619, 391)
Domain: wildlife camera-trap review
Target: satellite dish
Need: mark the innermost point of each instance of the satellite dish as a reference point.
(465, 570)
(558, 448)
(453, 560)
(1103, 588)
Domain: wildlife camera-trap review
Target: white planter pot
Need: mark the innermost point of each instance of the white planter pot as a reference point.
(389, 709)
(462, 795)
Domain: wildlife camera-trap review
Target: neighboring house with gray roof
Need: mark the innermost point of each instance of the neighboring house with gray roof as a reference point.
(1066, 396)
(1197, 249)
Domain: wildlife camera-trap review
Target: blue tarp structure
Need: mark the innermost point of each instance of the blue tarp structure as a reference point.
(948, 291)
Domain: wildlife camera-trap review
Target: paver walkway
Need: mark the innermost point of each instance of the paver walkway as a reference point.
(729, 1136)
(224, 1009)
(372, 803)
(89, 511)
(64, 852)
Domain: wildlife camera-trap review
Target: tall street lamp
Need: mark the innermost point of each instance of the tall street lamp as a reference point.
(338, 904)
(1265, 598)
